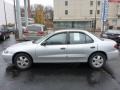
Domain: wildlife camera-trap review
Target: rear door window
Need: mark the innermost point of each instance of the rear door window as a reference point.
(80, 38)
(77, 38)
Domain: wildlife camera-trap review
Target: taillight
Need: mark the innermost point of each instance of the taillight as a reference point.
(40, 33)
(26, 31)
(116, 46)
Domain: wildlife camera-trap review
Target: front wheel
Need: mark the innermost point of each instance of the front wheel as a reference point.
(97, 60)
(22, 61)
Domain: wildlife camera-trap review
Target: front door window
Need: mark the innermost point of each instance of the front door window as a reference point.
(58, 39)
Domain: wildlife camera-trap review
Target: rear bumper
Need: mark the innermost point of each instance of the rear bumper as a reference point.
(113, 55)
(31, 37)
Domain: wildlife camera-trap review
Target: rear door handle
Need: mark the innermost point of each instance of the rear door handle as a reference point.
(92, 47)
(62, 48)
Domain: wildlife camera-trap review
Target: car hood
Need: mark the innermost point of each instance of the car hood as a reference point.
(24, 46)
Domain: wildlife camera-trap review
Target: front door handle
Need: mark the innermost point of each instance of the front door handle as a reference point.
(62, 48)
(92, 47)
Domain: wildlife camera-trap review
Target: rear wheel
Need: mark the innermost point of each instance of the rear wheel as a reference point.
(22, 61)
(97, 60)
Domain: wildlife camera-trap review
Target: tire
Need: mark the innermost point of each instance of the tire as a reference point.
(97, 60)
(22, 61)
(3, 38)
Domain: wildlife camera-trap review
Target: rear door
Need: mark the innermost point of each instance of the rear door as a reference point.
(80, 47)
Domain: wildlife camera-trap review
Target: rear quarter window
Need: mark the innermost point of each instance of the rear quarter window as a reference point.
(89, 39)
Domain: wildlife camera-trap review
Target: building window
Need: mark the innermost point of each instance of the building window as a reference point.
(98, 11)
(91, 11)
(66, 3)
(98, 3)
(66, 12)
(91, 3)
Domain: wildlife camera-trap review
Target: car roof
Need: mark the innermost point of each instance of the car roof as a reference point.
(78, 30)
(36, 25)
(71, 30)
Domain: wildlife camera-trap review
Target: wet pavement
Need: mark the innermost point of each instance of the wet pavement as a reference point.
(58, 76)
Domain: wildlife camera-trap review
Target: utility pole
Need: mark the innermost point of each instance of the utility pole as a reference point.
(117, 16)
(26, 11)
(29, 9)
(18, 15)
(5, 13)
(15, 14)
(95, 16)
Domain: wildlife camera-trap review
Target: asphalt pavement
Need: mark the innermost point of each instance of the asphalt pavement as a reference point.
(58, 76)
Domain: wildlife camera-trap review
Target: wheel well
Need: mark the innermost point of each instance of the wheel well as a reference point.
(19, 53)
(99, 52)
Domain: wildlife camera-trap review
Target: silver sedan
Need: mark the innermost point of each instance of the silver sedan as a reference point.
(64, 46)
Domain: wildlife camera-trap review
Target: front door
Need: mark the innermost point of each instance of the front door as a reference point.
(53, 49)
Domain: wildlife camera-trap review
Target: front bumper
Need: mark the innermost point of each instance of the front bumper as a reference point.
(7, 57)
(113, 55)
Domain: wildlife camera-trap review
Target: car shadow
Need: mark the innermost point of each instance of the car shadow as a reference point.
(51, 72)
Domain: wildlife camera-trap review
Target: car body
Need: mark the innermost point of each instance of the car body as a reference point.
(33, 31)
(112, 34)
(10, 28)
(4, 33)
(64, 46)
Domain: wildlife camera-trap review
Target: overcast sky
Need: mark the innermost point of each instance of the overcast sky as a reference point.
(43, 2)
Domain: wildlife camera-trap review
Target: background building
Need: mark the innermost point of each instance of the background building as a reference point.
(9, 10)
(83, 14)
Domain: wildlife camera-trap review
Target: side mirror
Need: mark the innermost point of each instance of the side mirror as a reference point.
(44, 44)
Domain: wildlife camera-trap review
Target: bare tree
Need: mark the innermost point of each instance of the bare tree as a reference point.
(48, 12)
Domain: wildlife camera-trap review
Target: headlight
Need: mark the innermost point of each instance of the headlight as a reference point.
(7, 51)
